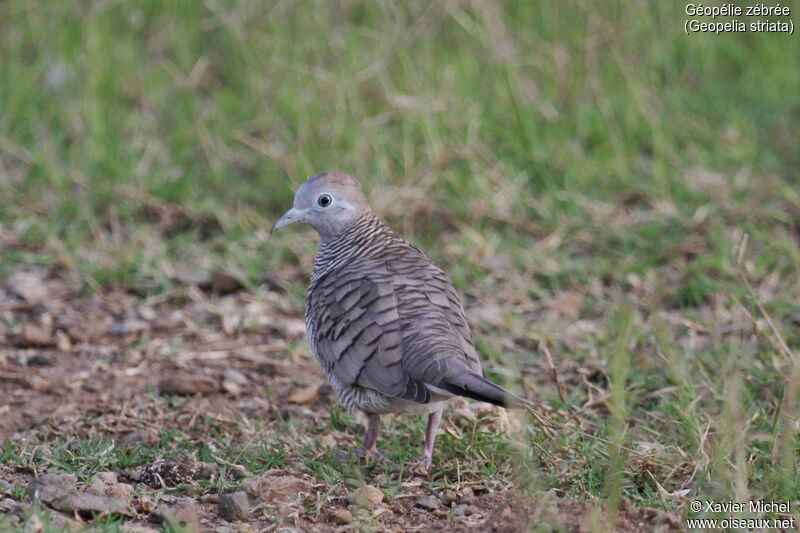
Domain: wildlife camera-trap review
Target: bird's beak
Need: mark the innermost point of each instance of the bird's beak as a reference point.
(292, 215)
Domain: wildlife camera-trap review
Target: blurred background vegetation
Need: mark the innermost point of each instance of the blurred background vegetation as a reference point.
(537, 150)
(131, 132)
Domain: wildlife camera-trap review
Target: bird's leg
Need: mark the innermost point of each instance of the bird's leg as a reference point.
(369, 449)
(425, 460)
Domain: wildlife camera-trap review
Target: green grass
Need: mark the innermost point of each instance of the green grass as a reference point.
(529, 147)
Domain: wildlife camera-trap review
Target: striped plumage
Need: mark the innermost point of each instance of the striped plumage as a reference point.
(384, 322)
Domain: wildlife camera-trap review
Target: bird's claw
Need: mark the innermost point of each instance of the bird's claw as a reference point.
(420, 466)
(373, 454)
(366, 454)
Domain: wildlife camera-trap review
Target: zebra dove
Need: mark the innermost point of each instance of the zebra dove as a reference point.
(384, 322)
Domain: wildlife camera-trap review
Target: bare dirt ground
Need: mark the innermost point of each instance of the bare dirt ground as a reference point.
(215, 364)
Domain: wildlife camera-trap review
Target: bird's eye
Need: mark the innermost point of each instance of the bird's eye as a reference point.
(324, 200)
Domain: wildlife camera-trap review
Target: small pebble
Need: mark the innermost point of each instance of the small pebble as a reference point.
(341, 517)
(234, 506)
(39, 360)
(367, 497)
(429, 503)
(32, 335)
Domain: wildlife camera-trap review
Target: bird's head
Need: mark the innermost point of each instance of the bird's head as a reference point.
(329, 202)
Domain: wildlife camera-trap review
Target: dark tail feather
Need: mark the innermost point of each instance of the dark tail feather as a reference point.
(479, 388)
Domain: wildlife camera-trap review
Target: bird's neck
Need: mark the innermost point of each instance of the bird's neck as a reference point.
(367, 235)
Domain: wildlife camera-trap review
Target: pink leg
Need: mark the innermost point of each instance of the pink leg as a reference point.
(369, 449)
(430, 436)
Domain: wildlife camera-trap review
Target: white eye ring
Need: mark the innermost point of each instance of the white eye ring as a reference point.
(324, 200)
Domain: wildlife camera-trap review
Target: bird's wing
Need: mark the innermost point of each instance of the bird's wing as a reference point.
(435, 325)
(392, 326)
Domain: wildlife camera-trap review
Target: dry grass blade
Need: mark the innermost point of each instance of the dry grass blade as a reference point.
(778, 339)
(553, 370)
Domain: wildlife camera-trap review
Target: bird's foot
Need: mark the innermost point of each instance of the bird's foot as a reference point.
(362, 452)
(420, 466)
(373, 454)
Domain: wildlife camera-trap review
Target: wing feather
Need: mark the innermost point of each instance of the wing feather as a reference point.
(390, 324)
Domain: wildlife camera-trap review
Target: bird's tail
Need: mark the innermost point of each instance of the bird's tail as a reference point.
(479, 388)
